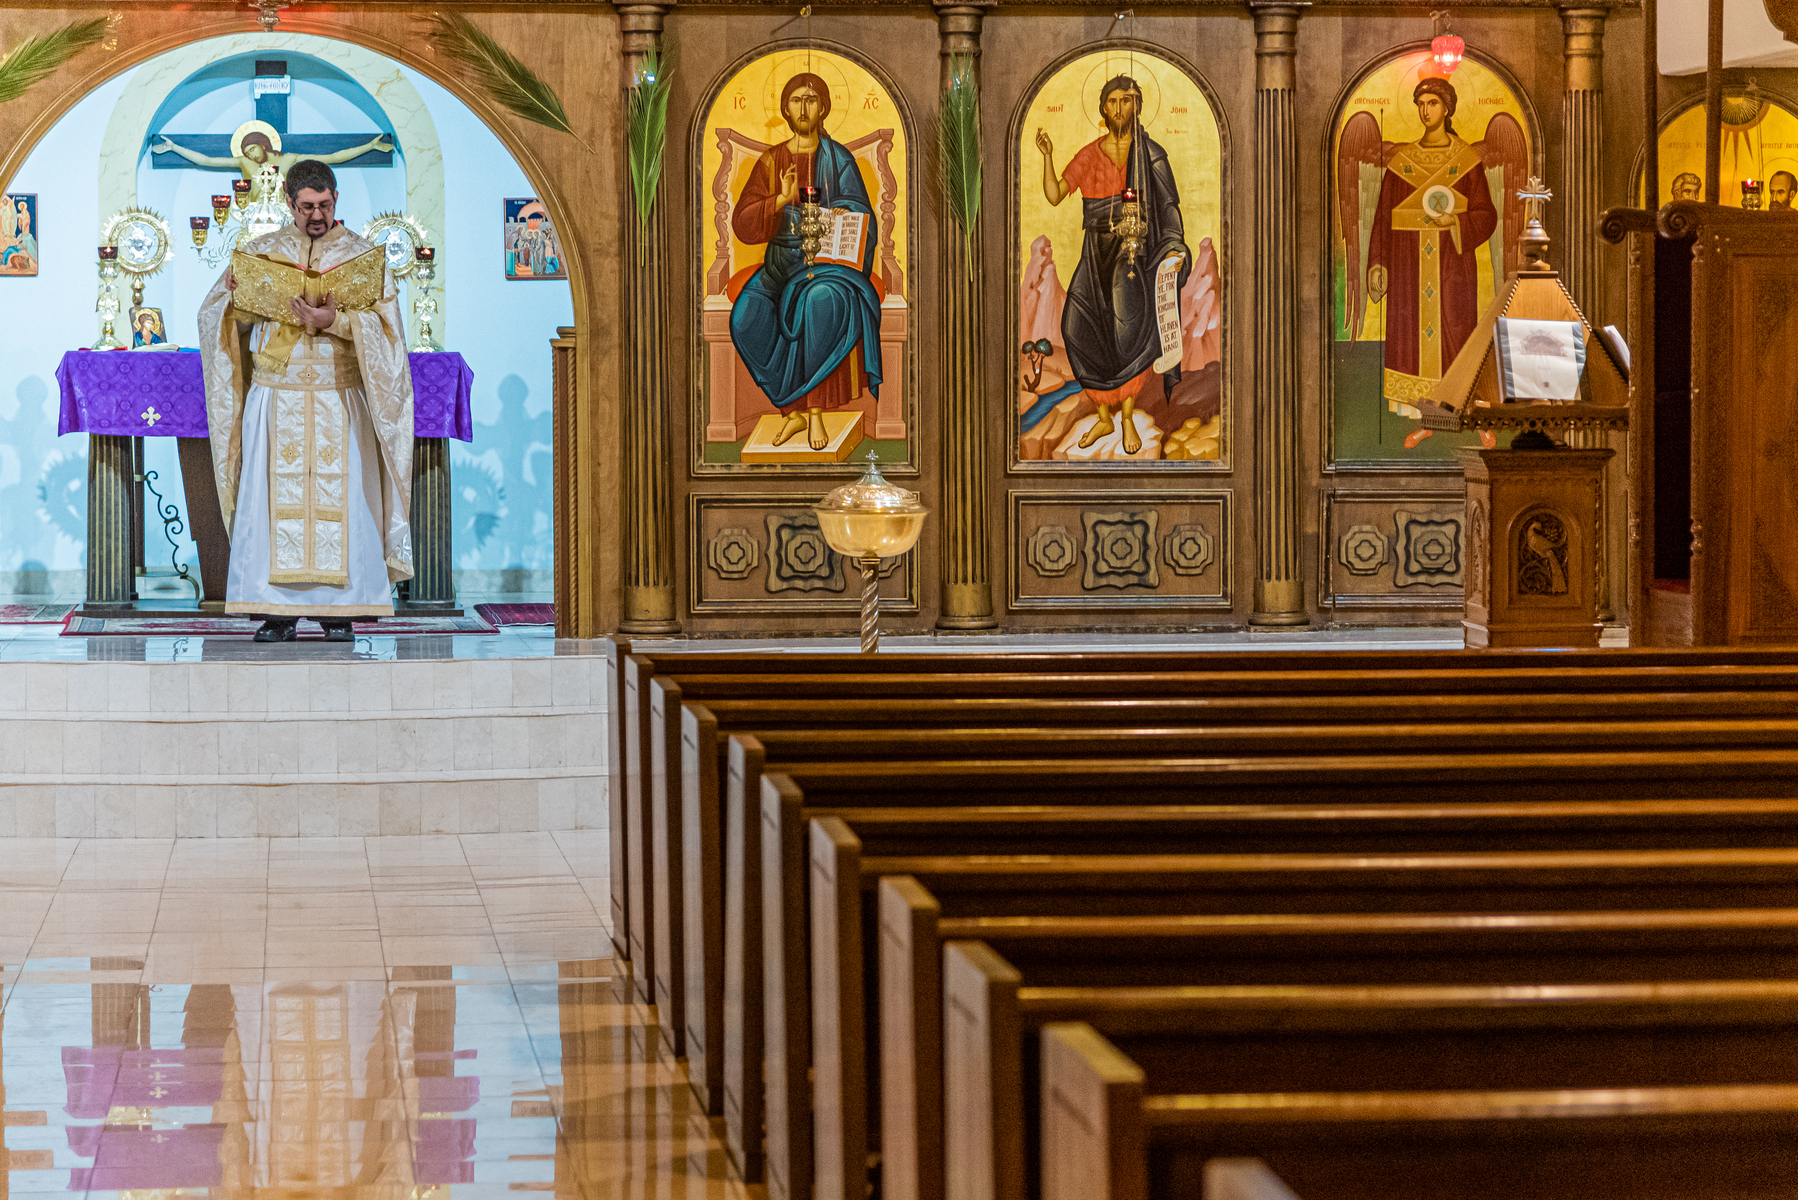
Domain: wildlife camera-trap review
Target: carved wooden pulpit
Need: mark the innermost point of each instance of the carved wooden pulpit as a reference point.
(1534, 511)
(1714, 452)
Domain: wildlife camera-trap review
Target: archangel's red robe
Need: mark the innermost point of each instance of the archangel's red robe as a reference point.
(1432, 263)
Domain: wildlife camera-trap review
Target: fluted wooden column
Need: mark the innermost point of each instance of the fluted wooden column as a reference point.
(1582, 154)
(967, 597)
(648, 452)
(1279, 588)
(1582, 201)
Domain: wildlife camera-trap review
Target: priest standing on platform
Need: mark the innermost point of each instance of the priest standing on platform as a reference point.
(311, 423)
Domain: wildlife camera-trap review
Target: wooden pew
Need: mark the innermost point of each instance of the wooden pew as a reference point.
(1071, 949)
(688, 910)
(838, 996)
(1310, 1036)
(1109, 1133)
(1158, 675)
(782, 865)
(1338, 781)
(848, 675)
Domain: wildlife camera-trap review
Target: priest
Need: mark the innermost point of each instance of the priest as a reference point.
(311, 423)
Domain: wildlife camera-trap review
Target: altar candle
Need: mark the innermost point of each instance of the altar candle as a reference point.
(240, 188)
(809, 195)
(425, 253)
(108, 253)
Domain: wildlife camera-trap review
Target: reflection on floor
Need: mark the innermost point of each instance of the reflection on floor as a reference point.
(391, 1018)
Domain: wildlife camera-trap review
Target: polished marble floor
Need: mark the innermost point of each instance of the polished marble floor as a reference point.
(45, 643)
(331, 1017)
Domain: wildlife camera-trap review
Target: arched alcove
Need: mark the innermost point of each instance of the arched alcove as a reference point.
(503, 495)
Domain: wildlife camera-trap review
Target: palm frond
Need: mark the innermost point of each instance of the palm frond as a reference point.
(35, 58)
(646, 129)
(958, 148)
(507, 82)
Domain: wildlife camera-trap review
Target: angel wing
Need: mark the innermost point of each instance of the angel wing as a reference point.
(1507, 156)
(1359, 154)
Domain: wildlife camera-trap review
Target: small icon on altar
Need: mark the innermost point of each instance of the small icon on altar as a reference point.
(147, 329)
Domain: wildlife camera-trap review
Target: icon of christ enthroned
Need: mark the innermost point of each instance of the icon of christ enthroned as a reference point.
(788, 350)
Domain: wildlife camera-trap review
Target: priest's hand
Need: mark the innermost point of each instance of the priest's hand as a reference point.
(321, 316)
(1376, 284)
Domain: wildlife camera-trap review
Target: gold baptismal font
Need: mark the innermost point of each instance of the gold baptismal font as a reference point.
(866, 521)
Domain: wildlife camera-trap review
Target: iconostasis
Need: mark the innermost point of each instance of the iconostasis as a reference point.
(1119, 482)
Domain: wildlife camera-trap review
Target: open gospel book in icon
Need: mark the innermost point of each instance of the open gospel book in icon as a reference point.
(845, 239)
(265, 287)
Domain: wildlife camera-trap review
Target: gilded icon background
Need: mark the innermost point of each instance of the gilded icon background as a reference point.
(1120, 162)
(1760, 141)
(803, 363)
(1424, 222)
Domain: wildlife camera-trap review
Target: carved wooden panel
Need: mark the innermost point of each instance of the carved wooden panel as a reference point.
(1393, 549)
(1745, 424)
(1104, 550)
(765, 554)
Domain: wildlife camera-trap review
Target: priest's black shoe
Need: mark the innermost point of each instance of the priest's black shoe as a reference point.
(279, 629)
(338, 631)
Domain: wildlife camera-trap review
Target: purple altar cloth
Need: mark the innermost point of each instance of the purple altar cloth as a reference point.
(101, 1077)
(163, 394)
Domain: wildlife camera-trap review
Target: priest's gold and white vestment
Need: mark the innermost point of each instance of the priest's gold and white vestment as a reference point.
(311, 444)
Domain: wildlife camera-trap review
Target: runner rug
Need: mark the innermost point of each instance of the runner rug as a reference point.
(184, 625)
(518, 614)
(34, 614)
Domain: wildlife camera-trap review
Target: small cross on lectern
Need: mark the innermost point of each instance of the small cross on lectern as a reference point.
(1534, 242)
(1534, 195)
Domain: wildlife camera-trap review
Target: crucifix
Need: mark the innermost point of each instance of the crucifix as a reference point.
(262, 150)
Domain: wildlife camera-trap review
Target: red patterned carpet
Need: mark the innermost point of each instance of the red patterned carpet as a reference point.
(518, 614)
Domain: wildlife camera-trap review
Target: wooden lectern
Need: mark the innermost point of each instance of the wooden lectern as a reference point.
(1534, 510)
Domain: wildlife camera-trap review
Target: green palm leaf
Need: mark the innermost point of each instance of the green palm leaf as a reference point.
(35, 58)
(507, 82)
(958, 148)
(646, 129)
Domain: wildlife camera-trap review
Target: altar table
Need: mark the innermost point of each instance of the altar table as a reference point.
(118, 396)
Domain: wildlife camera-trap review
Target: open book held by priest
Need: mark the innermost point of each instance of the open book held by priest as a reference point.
(265, 286)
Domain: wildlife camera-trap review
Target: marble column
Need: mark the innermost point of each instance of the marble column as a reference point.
(1582, 202)
(1279, 588)
(432, 588)
(967, 599)
(111, 468)
(648, 450)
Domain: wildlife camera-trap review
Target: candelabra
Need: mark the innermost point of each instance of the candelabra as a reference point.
(237, 220)
(424, 305)
(1131, 226)
(108, 305)
(811, 223)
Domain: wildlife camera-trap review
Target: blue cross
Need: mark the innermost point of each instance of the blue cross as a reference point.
(271, 106)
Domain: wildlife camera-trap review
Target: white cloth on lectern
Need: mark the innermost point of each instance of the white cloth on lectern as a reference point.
(248, 578)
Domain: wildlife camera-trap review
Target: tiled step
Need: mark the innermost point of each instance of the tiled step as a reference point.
(134, 749)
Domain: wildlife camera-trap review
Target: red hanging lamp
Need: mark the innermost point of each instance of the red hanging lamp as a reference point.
(1446, 49)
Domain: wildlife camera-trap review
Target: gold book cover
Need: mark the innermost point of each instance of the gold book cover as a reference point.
(265, 287)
